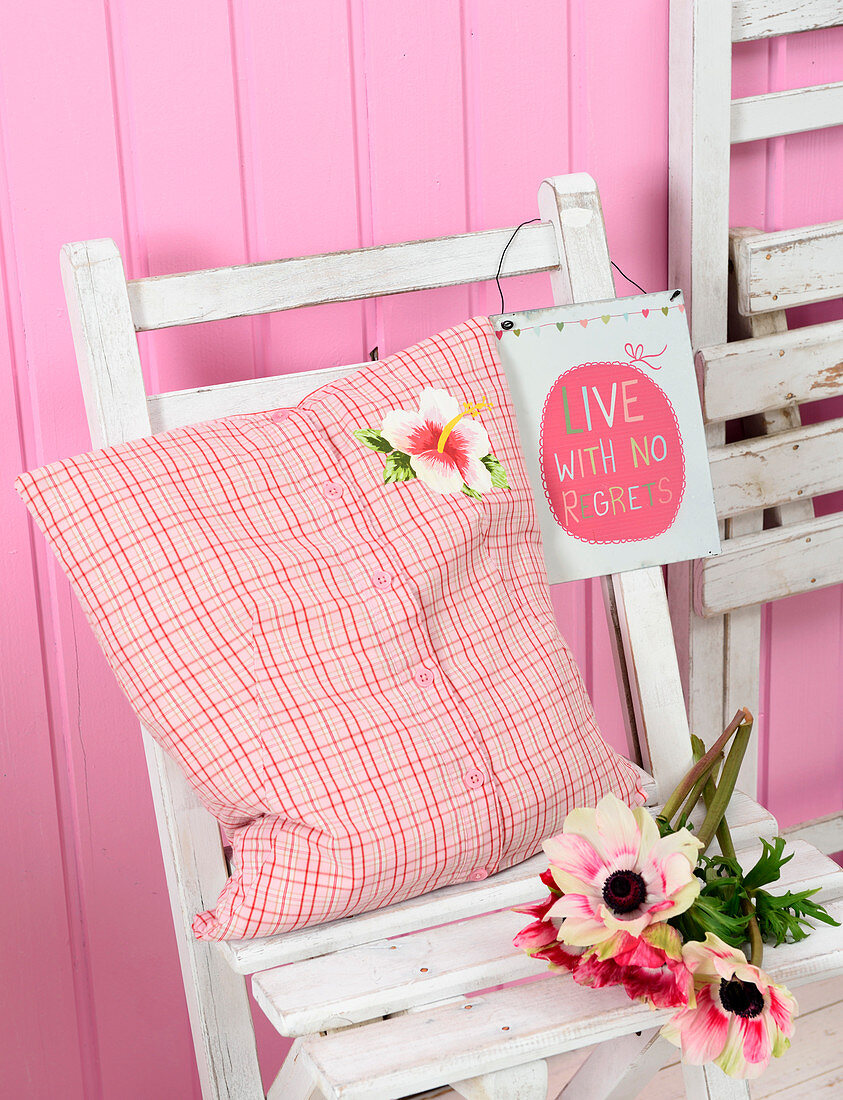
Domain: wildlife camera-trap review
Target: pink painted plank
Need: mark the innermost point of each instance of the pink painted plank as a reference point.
(177, 121)
(38, 1012)
(414, 104)
(64, 184)
(513, 139)
(618, 112)
(301, 182)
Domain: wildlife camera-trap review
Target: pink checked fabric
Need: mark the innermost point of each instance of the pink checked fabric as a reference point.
(363, 680)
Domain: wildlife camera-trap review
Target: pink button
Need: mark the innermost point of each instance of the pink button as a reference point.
(423, 676)
(382, 580)
(474, 778)
(478, 876)
(332, 490)
(279, 415)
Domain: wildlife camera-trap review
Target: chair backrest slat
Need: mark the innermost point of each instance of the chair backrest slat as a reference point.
(181, 407)
(754, 19)
(795, 111)
(250, 289)
(773, 469)
(771, 565)
(792, 267)
(771, 372)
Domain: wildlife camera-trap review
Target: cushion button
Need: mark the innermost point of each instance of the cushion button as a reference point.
(423, 676)
(279, 415)
(474, 778)
(332, 490)
(382, 580)
(478, 876)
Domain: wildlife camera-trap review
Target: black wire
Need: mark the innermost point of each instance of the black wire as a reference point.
(512, 238)
(615, 266)
(506, 246)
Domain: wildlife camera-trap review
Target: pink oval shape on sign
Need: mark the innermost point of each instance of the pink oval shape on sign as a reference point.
(612, 460)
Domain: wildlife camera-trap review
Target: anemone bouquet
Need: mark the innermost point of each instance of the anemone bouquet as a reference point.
(635, 901)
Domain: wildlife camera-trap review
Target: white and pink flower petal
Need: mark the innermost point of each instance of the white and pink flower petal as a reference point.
(574, 858)
(475, 475)
(471, 437)
(406, 431)
(438, 471)
(701, 1032)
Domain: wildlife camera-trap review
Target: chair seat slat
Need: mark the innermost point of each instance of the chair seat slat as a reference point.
(770, 565)
(515, 886)
(393, 975)
(771, 372)
(771, 470)
(408, 1053)
(249, 289)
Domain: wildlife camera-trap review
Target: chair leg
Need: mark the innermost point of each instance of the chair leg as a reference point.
(527, 1082)
(619, 1070)
(294, 1080)
(711, 1083)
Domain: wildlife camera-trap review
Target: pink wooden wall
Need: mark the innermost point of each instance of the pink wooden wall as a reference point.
(199, 134)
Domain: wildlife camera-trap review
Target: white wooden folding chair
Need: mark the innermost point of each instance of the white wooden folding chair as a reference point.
(764, 376)
(382, 1004)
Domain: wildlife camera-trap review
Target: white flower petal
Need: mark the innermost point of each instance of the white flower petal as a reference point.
(438, 406)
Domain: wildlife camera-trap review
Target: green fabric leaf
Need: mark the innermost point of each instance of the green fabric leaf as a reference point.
(497, 471)
(472, 493)
(398, 468)
(372, 438)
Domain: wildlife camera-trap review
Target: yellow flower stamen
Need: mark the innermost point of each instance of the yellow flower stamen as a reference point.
(472, 409)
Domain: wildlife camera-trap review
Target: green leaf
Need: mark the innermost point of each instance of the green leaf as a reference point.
(472, 493)
(373, 438)
(398, 468)
(769, 866)
(787, 915)
(710, 913)
(497, 471)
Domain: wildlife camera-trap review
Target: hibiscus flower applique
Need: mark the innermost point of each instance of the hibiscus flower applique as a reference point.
(441, 445)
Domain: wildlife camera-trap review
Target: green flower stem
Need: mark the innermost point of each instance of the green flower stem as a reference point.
(727, 848)
(710, 777)
(701, 768)
(726, 786)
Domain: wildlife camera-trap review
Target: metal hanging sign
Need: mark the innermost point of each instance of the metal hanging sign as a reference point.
(606, 401)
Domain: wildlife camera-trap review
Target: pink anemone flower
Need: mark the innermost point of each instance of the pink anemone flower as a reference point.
(444, 444)
(741, 1019)
(616, 874)
(539, 939)
(649, 967)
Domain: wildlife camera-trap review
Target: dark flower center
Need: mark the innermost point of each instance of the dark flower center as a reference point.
(624, 891)
(742, 998)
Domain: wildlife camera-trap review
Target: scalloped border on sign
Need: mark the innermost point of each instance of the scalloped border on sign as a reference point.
(616, 542)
